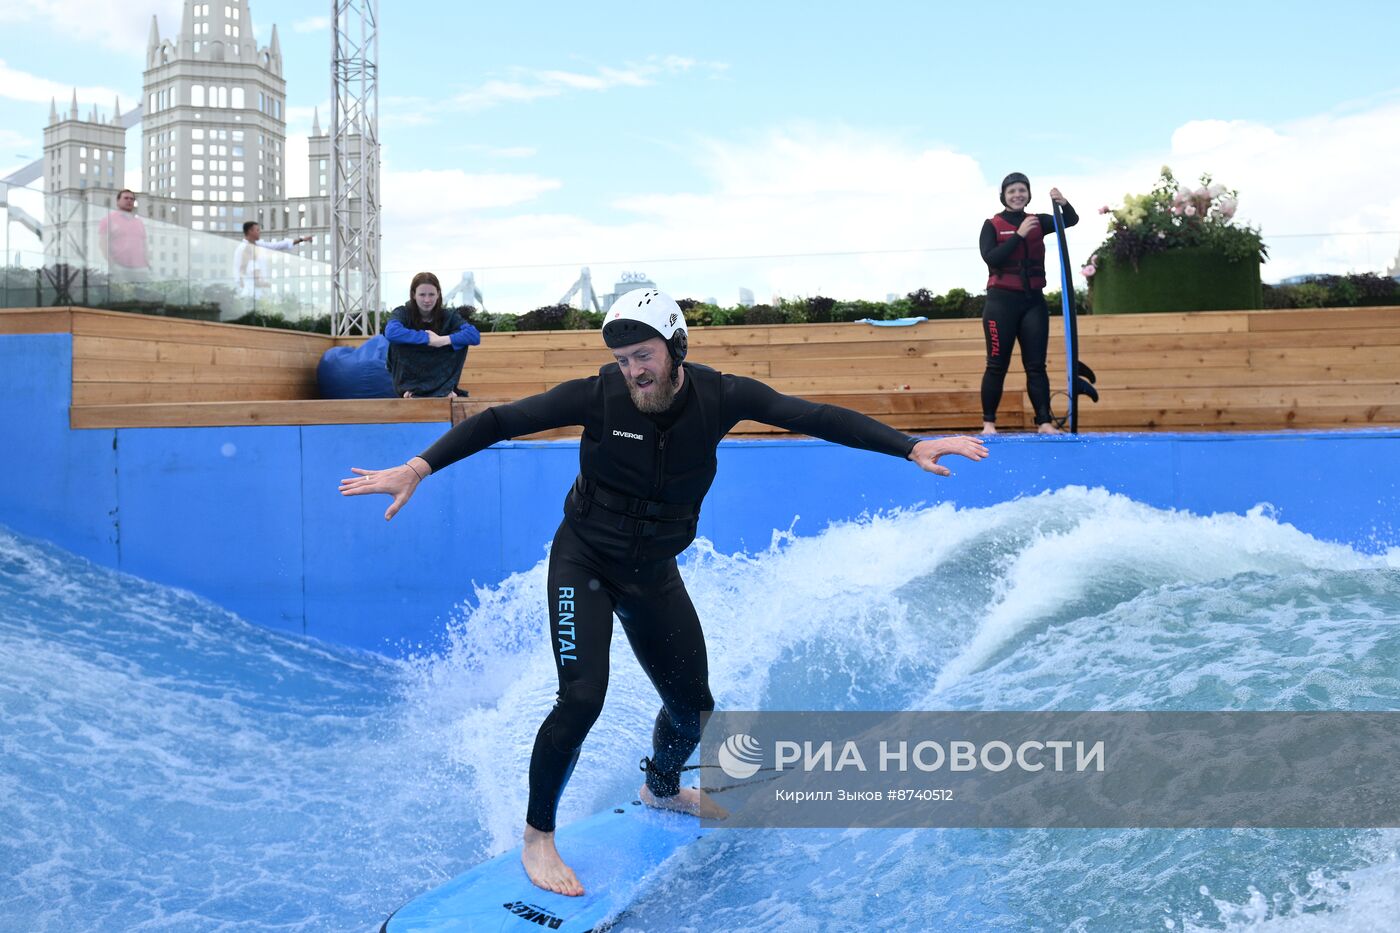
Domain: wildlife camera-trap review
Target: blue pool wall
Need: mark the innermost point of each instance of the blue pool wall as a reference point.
(250, 517)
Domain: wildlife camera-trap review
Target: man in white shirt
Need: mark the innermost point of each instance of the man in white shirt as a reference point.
(251, 273)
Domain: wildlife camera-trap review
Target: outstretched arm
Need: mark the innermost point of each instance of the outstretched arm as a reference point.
(564, 404)
(399, 482)
(749, 399)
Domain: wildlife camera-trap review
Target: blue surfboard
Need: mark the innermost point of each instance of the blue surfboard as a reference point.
(1079, 376)
(612, 853)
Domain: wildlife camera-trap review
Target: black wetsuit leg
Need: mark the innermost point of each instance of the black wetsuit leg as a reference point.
(584, 590)
(580, 625)
(1000, 324)
(662, 626)
(1011, 316)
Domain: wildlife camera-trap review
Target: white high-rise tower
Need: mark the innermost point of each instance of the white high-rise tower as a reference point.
(214, 130)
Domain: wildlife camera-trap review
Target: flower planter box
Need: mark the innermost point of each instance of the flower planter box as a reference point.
(1188, 279)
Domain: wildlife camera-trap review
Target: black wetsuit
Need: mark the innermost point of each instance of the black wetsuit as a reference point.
(1014, 315)
(633, 508)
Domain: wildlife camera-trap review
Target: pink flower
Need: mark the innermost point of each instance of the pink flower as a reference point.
(1088, 270)
(1189, 210)
(1203, 192)
(1176, 209)
(1227, 208)
(1105, 209)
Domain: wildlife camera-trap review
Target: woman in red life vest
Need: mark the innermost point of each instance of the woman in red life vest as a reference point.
(1013, 247)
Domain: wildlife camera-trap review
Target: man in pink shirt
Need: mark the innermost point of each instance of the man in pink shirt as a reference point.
(122, 237)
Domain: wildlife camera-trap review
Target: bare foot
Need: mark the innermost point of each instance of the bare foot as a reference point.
(989, 427)
(544, 866)
(690, 800)
(1048, 428)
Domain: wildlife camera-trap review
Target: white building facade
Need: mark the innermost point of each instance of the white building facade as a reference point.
(213, 151)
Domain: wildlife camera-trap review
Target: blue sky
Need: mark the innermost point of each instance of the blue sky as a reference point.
(853, 148)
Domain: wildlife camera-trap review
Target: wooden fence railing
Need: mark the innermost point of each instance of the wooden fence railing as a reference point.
(1207, 370)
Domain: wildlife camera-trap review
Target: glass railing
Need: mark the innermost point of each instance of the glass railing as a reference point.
(61, 250)
(856, 279)
(81, 251)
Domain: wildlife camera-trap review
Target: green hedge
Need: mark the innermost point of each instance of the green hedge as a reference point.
(1335, 291)
(1325, 291)
(1188, 279)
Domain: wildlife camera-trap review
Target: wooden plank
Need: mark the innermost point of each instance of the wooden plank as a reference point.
(219, 414)
(1264, 417)
(846, 332)
(502, 390)
(1324, 319)
(927, 380)
(36, 321)
(922, 422)
(520, 359)
(1339, 337)
(124, 393)
(1196, 322)
(976, 363)
(1385, 360)
(719, 357)
(482, 373)
(1284, 397)
(141, 371)
(177, 330)
(1275, 375)
(113, 348)
(544, 340)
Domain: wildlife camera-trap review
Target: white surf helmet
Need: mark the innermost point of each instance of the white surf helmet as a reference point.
(644, 313)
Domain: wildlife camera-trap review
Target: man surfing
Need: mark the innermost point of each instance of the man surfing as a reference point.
(651, 426)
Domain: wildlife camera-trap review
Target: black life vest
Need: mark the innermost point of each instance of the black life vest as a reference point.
(1024, 270)
(638, 493)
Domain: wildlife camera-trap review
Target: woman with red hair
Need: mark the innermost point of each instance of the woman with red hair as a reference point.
(427, 343)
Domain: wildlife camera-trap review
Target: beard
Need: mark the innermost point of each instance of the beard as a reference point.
(656, 399)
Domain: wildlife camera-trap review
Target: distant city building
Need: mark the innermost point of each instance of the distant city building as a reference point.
(625, 283)
(746, 298)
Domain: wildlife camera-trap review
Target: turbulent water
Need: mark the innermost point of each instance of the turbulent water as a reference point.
(166, 766)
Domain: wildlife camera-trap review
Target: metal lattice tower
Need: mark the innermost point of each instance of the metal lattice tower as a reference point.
(354, 180)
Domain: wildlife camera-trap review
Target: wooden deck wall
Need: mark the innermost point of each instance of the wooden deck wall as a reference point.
(1210, 370)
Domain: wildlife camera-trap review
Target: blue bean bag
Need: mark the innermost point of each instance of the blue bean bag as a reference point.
(356, 372)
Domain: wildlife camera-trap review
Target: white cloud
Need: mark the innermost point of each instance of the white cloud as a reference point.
(800, 191)
(868, 214)
(312, 24)
(1322, 175)
(21, 85)
(454, 194)
(114, 25)
(525, 85)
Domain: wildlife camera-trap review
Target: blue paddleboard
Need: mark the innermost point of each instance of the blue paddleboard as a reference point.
(611, 852)
(1079, 376)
